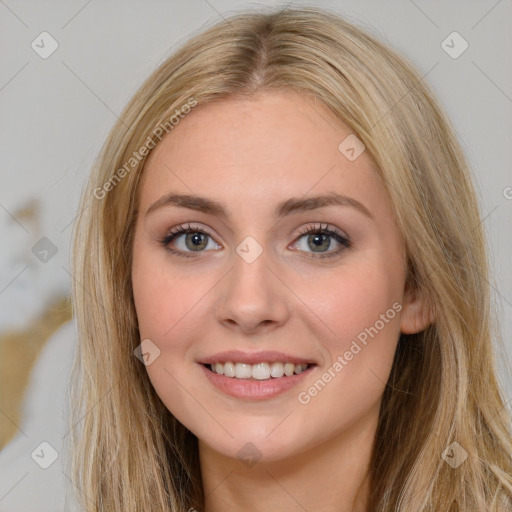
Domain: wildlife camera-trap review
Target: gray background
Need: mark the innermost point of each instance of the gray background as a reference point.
(56, 112)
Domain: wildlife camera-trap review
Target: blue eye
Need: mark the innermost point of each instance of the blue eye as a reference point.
(196, 240)
(321, 238)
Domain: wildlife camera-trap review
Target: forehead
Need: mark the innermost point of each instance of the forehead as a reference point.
(252, 150)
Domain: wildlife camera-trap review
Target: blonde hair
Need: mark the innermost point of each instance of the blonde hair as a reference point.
(130, 452)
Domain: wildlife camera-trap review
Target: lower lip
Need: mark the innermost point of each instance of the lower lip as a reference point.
(252, 389)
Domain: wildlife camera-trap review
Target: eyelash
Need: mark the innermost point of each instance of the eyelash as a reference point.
(344, 241)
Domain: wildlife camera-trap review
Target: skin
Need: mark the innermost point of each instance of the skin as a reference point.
(251, 154)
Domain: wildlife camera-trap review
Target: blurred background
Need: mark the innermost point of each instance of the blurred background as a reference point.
(67, 70)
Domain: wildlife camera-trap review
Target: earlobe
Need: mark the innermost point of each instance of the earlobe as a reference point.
(416, 314)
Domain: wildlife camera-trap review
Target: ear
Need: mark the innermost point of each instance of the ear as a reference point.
(415, 315)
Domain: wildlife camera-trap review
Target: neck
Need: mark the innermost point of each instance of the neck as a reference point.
(331, 476)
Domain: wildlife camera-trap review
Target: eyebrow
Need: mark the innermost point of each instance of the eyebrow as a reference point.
(288, 207)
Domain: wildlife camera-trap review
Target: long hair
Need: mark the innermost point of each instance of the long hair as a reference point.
(130, 453)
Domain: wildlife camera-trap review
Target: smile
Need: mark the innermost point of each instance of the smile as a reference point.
(260, 371)
(261, 381)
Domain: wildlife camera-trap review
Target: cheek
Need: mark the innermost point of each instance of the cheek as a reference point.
(164, 298)
(357, 320)
(351, 299)
(167, 302)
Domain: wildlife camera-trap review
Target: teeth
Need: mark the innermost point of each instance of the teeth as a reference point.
(260, 371)
(229, 369)
(299, 368)
(243, 371)
(289, 369)
(277, 370)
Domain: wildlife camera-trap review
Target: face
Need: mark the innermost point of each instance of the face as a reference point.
(287, 255)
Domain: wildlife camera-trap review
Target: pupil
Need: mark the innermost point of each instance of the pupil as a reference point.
(194, 241)
(319, 241)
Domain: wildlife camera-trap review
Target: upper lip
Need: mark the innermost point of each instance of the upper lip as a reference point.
(265, 356)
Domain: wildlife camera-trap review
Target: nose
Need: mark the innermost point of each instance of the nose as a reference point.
(252, 299)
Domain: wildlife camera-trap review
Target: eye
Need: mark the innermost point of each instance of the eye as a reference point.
(188, 240)
(317, 240)
(320, 239)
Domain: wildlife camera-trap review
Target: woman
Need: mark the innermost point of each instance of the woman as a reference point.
(283, 300)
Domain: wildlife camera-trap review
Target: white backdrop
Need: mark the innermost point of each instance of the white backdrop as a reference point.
(57, 108)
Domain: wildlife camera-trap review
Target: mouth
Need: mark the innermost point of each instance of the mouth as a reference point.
(262, 371)
(255, 375)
